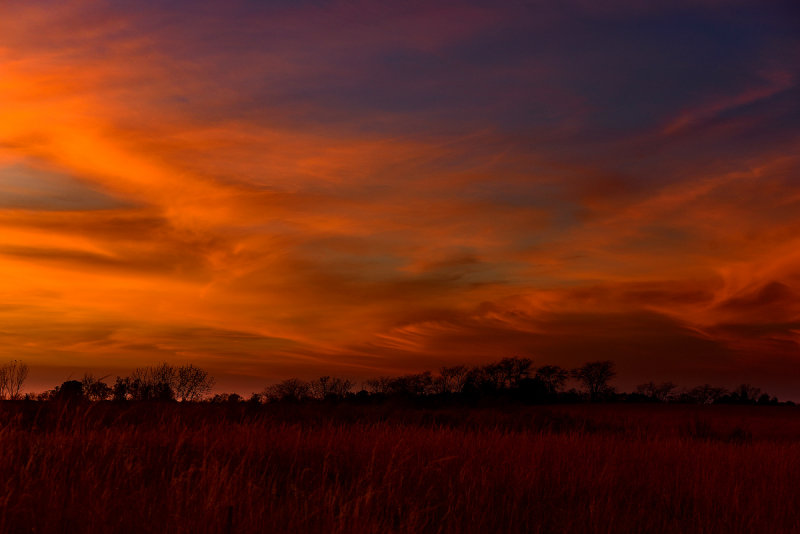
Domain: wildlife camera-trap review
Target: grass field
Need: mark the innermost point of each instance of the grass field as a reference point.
(582, 468)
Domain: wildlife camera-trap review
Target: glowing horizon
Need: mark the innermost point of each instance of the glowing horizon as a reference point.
(305, 189)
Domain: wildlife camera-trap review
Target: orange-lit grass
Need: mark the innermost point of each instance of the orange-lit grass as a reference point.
(170, 469)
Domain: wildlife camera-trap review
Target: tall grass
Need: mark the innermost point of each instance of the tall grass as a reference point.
(199, 469)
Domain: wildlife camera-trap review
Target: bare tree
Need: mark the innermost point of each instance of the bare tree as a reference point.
(94, 388)
(380, 385)
(153, 383)
(595, 377)
(87, 380)
(99, 391)
(507, 373)
(326, 387)
(413, 384)
(292, 389)
(515, 370)
(552, 377)
(451, 379)
(12, 376)
(164, 373)
(192, 383)
(121, 388)
(3, 381)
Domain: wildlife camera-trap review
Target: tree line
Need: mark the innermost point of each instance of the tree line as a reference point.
(509, 378)
(515, 379)
(163, 382)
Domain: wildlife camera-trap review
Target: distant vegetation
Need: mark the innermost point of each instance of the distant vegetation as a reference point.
(12, 377)
(503, 447)
(509, 379)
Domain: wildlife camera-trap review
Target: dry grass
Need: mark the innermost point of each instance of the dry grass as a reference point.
(195, 469)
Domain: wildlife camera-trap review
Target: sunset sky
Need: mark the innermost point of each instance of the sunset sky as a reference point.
(285, 188)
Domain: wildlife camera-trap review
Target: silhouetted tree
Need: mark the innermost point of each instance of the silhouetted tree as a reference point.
(506, 373)
(378, 386)
(191, 383)
(552, 377)
(95, 389)
(153, 383)
(413, 384)
(478, 381)
(140, 389)
(99, 391)
(595, 377)
(87, 380)
(163, 382)
(12, 376)
(164, 379)
(514, 370)
(326, 387)
(69, 391)
(121, 388)
(292, 389)
(490, 379)
(451, 379)
(231, 398)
